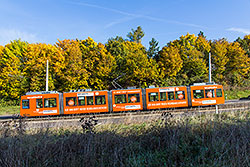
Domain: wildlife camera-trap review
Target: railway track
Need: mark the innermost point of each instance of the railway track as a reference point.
(130, 117)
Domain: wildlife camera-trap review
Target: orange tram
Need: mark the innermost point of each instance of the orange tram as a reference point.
(131, 99)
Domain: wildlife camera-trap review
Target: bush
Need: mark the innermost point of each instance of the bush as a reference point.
(213, 140)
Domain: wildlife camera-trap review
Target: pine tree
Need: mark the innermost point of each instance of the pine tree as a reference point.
(153, 48)
(136, 35)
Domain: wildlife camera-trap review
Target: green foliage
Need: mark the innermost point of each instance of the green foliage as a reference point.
(11, 69)
(136, 35)
(153, 48)
(239, 62)
(81, 64)
(206, 140)
(98, 62)
(245, 44)
(170, 63)
(35, 66)
(74, 74)
(236, 93)
(219, 59)
(6, 109)
(139, 70)
(192, 50)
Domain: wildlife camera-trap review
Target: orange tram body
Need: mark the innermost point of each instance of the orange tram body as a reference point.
(131, 99)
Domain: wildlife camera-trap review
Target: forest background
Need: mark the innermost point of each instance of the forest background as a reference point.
(83, 64)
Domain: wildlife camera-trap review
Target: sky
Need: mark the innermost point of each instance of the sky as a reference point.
(46, 21)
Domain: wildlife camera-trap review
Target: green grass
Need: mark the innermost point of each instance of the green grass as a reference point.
(9, 110)
(206, 140)
(237, 94)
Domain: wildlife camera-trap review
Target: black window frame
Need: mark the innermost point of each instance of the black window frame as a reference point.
(162, 99)
(40, 101)
(28, 103)
(171, 95)
(137, 95)
(122, 97)
(79, 100)
(67, 99)
(152, 98)
(102, 97)
(183, 93)
(87, 100)
(49, 102)
(200, 93)
(213, 93)
(220, 92)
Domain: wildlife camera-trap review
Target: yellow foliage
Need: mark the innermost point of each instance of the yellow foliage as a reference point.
(35, 66)
(170, 62)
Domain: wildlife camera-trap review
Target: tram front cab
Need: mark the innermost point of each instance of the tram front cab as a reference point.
(40, 103)
(205, 94)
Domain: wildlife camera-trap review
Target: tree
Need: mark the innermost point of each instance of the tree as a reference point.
(138, 68)
(12, 80)
(136, 35)
(170, 62)
(153, 48)
(74, 75)
(238, 66)
(35, 66)
(219, 59)
(191, 50)
(98, 62)
(132, 64)
(245, 44)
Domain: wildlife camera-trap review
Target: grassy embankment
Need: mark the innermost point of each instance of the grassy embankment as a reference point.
(237, 94)
(9, 110)
(207, 140)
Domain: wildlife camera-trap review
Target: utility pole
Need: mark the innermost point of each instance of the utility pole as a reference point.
(47, 76)
(210, 69)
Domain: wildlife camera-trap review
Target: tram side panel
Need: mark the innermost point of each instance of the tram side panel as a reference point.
(85, 102)
(166, 97)
(127, 100)
(40, 105)
(204, 95)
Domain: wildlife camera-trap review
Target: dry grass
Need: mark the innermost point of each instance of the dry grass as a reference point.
(213, 140)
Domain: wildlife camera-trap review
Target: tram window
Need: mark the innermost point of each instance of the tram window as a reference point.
(26, 104)
(81, 100)
(39, 103)
(120, 99)
(99, 100)
(133, 98)
(170, 95)
(90, 100)
(163, 96)
(153, 96)
(209, 93)
(179, 95)
(71, 101)
(218, 92)
(49, 102)
(198, 94)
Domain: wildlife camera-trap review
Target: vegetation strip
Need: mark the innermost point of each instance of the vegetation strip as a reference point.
(201, 140)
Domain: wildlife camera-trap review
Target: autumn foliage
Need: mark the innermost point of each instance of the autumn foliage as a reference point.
(82, 64)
